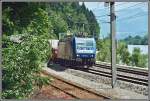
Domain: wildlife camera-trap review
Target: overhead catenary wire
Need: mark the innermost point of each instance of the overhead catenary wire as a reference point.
(125, 18)
(137, 15)
(129, 7)
(132, 16)
(107, 7)
(102, 16)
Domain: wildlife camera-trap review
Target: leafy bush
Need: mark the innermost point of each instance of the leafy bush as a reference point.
(104, 53)
(123, 55)
(21, 65)
(139, 59)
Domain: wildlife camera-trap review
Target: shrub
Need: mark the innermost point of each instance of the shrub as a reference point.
(21, 65)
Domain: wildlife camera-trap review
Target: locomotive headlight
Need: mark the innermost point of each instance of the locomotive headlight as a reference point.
(77, 55)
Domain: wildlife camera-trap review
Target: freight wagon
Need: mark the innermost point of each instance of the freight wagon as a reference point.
(75, 51)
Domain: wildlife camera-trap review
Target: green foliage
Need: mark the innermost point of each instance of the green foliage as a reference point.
(104, 53)
(40, 81)
(123, 54)
(40, 23)
(72, 16)
(59, 24)
(21, 64)
(137, 40)
(22, 61)
(138, 59)
(48, 17)
(7, 23)
(136, 56)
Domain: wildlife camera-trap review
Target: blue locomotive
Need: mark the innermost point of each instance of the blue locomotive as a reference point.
(84, 48)
(75, 51)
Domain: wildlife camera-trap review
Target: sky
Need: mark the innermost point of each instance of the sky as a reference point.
(131, 18)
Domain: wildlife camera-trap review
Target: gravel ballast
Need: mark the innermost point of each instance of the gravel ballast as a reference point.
(101, 83)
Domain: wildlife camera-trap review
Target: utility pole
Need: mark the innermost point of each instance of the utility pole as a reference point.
(149, 49)
(113, 43)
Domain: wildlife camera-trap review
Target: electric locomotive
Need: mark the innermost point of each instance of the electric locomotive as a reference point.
(75, 51)
(84, 49)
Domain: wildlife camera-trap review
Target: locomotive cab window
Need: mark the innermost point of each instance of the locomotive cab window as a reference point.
(80, 44)
(89, 43)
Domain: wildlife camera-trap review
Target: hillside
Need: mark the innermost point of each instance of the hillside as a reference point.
(51, 18)
(137, 40)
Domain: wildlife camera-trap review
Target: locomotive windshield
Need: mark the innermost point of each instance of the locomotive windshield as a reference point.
(80, 44)
(89, 43)
(85, 45)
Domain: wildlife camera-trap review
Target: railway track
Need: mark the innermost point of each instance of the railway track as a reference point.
(73, 89)
(125, 69)
(120, 75)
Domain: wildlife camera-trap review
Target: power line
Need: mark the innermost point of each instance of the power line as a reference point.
(120, 10)
(103, 15)
(137, 15)
(107, 7)
(129, 7)
(132, 16)
(103, 21)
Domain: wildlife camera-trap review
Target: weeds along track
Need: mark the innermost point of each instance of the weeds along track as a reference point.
(75, 90)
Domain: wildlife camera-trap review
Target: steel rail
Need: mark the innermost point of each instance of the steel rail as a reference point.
(119, 76)
(124, 69)
(122, 77)
(59, 88)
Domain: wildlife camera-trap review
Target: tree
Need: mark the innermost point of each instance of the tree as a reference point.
(137, 40)
(59, 24)
(138, 59)
(122, 53)
(144, 40)
(104, 53)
